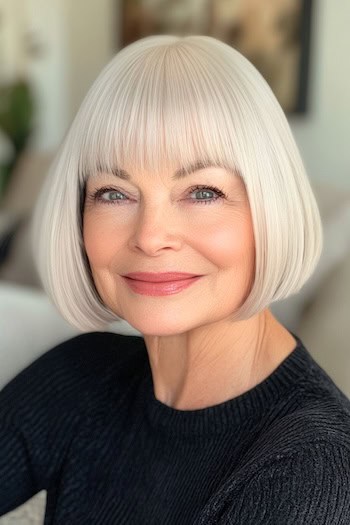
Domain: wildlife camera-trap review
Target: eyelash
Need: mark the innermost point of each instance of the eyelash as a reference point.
(97, 195)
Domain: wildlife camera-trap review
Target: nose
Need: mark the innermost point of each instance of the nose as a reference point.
(157, 228)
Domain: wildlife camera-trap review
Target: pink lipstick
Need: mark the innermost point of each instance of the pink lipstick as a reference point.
(166, 283)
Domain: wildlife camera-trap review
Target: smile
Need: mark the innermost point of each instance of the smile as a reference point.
(161, 288)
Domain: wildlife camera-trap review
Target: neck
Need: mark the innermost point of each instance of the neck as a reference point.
(217, 362)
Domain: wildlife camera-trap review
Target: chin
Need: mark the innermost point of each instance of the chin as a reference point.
(148, 329)
(158, 327)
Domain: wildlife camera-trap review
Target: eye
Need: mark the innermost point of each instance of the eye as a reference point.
(206, 193)
(108, 196)
(112, 196)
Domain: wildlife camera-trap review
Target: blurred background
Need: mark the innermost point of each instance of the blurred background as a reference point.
(50, 53)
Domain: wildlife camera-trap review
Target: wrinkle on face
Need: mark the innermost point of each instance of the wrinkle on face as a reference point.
(190, 337)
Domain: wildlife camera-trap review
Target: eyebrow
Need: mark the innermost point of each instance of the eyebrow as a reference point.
(179, 174)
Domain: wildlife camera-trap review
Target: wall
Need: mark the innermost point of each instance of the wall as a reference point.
(74, 40)
(48, 72)
(32, 45)
(11, 51)
(81, 36)
(91, 32)
(323, 137)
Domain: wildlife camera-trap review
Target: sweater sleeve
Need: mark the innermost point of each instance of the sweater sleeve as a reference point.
(38, 419)
(305, 488)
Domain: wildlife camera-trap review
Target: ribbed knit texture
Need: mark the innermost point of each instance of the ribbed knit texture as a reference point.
(83, 423)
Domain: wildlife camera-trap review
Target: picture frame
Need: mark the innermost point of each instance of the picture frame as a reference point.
(275, 36)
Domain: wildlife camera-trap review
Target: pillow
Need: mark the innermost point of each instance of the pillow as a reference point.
(325, 325)
(41, 327)
(32, 512)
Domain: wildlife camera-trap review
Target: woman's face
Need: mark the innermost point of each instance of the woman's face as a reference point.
(199, 223)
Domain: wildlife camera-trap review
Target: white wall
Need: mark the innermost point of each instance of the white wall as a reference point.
(41, 24)
(48, 72)
(76, 39)
(12, 55)
(91, 32)
(324, 135)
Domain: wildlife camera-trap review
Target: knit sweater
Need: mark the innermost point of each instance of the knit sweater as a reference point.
(83, 423)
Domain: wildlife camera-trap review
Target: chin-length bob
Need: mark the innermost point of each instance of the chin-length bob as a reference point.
(166, 101)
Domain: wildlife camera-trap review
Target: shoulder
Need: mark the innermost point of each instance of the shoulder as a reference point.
(297, 471)
(96, 352)
(310, 412)
(308, 485)
(316, 409)
(320, 431)
(71, 373)
(321, 412)
(314, 418)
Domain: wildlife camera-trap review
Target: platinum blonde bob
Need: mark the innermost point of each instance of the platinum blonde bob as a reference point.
(167, 100)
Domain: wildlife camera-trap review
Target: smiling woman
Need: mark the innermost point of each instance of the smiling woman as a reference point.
(162, 104)
(152, 224)
(179, 203)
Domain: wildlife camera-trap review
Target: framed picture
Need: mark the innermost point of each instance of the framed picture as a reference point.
(273, 35)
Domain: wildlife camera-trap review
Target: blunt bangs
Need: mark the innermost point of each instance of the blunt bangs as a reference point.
(165, 102)
(163, 109)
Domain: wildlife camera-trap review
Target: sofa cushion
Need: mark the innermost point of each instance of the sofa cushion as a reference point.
(334, 207)
(325, 325)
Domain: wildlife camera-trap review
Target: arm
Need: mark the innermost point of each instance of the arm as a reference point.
(38, 420)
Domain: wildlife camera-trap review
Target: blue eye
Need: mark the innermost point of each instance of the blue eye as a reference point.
(108, 196)
(111, 196)
(209, 195)
(204, 191)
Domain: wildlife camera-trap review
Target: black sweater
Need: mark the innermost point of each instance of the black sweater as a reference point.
(83, 423)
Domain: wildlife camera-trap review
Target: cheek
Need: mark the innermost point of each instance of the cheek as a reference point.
(99, 240)
(230, 245)
(225, 241)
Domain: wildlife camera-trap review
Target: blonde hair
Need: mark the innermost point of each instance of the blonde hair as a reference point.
(163, 101)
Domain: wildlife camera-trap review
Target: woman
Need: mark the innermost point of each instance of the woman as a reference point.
(179, 203)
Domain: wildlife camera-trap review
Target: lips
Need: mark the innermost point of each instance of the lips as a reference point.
(160, 288)
(153, 277)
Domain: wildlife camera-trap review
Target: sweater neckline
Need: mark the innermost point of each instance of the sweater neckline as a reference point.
(233, 412)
